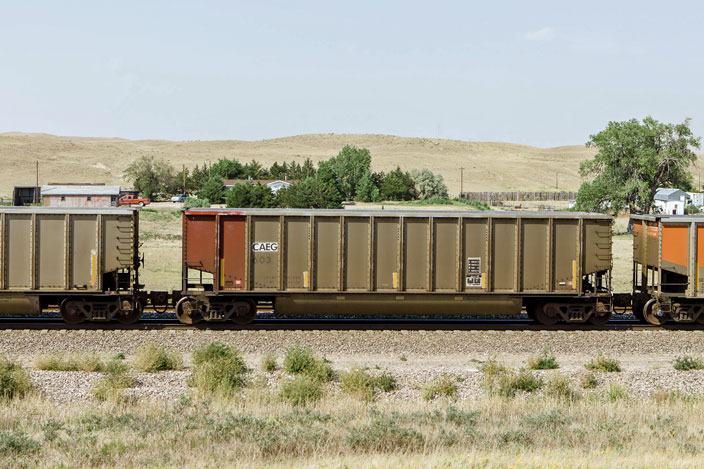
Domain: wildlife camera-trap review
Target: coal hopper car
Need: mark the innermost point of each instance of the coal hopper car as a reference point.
(555, 265)
(83, 262)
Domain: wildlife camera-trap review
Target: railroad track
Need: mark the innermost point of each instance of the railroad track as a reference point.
(327, 324)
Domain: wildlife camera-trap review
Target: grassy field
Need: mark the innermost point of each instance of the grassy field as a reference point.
(257, 429)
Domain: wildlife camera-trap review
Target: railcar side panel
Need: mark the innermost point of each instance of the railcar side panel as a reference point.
(51, 255)
(296, 250)
(326, 253)
(534, 249)
(504, 255)
(357, 256)
(232, 252)
(387, 234)
(416, 254)
(18, 252)
(445, 255)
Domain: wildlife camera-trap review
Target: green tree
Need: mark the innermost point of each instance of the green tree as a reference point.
(429, 185)
(152, 177)
(310, 193)
(633, 159)
(227, 169)
(243, 195)
(213, 190)
(367, 191)
(397, 185)
(254, 170)
(349, 166)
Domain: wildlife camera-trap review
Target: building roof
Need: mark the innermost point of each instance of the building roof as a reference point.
(668, 194)
(80, 190)
(232, 182)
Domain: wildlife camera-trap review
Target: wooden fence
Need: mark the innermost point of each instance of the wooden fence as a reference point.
(520, 196)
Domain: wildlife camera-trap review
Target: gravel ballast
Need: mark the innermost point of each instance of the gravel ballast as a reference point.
(412, 357)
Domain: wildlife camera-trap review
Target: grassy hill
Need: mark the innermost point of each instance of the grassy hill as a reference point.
(488, 165)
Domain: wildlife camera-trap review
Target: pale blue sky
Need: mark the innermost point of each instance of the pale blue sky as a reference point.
(543, 73)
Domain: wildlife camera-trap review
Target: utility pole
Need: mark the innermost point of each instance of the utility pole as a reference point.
(184, 179)
(36, 186)
(461, 181)
(557, 185)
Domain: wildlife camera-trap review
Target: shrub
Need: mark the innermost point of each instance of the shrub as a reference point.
(269, 363)
(17, 442)
(559, 387)
(119, 356)
(359, 383)
(507, 383)
(441, 386)
(152, 357)
(58, 362)
(544, 361)
(218, 369)
(615, 392)
(603, 364)
(403, 358)
(386, 382)
(302, 360)
(299, 359)
(384, 434)
(549, 420)
(492, 367)
(111, 386)
(301, 390)
(116, 366)
(14, 380)
(588, 381)
(686, 363)
(196, 203)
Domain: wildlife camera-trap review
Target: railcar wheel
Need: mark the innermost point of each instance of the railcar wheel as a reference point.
(600, 316)
(244, 313)
(650, 313)
(637, 310)
(546, 314)
(71, 311)
(130, 312)
(187, 311)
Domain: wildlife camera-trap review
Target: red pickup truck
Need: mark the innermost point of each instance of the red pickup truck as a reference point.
(130, 199)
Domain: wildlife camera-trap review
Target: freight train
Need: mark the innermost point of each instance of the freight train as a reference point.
(554, 265)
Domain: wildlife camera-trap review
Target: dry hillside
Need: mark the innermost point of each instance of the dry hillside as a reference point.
(488, 166)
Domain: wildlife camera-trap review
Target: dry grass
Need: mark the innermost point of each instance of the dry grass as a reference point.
(487, 165)
(152, 357)
(339, 430)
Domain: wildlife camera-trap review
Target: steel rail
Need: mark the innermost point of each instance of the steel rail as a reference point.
(342, 324)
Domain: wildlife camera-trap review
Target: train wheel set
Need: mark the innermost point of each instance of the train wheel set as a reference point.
(555, 266)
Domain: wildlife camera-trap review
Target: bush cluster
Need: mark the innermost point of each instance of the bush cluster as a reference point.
(603, 364)
(442, 386)
(218, 369)
(152, 357)
(14, 380)
(360, 384)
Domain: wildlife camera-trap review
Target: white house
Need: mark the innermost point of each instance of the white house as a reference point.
(671, 201)
(697, 198)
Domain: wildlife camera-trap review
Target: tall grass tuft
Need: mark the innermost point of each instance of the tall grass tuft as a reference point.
(269, 364)
(442, 386)
(302, 360)
(359, 383)
(14, 380)
(152, 357)
(544, 361)
(603, 364)
(687, 363)
(218, 369)
(301, 390)
(111, 386)
(72, 362)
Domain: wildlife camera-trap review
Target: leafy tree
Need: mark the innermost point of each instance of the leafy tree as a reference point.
(227, 169)
(310, 193)
(429, 185)
(152, 177)
(254, 170)
(349, 166)
(251, 195)
(198, 177)
(213, 190)
(634, 159)
(367, 190)
(397, 185)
